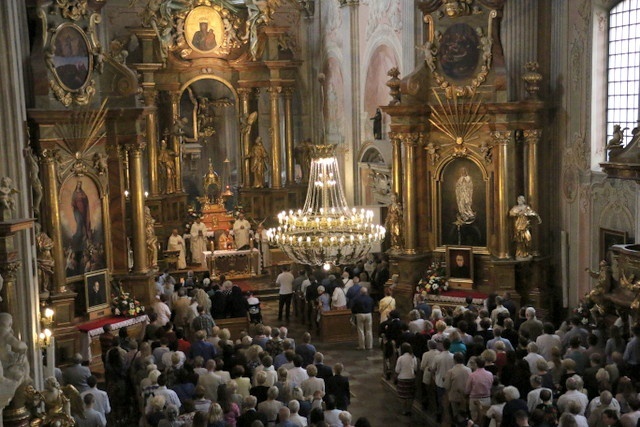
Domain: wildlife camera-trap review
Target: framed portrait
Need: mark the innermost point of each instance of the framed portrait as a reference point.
(72, 60)
(609, 238)
(203, 29)
(97, 290)
(462, 190)
(82, 221)
(460, 264)
(459, 51)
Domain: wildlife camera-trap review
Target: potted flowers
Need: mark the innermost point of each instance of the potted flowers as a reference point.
(123, 304)
(434, 281)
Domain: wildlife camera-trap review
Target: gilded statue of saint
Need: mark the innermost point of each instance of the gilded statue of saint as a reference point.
(522, 227)
(394, 223)
(259, 158)
(166, 160)
(151, 238)
(464, 198)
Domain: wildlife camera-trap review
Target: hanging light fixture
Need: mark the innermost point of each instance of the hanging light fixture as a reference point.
(326, 231)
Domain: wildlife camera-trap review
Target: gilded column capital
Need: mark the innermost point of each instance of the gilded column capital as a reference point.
(288, 92)
(245, 92)
(134, 148)
(502, 137)
(149, 95)
(9, 270)
(410, 139)
(532, 136)
(175, 96)
(274, 91)
(49, 155)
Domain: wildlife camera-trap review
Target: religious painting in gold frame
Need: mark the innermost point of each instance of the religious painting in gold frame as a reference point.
(82, 222)
(204, 29)
(69, 56)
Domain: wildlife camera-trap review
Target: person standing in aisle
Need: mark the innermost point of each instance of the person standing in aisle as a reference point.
(285, 282)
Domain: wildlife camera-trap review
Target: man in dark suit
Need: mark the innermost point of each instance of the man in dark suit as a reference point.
(324, 371)
(250, 414)
(338, 387)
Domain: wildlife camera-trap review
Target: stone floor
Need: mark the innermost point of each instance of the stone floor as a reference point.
(370, 398)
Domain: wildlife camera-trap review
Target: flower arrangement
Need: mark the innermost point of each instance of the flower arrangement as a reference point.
(434, 281)
(125, 305)
(583, 311)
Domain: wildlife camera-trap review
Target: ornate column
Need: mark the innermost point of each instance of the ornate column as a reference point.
(52, 226)
(396, 167)
(531, 139)
(502, 140)
(288, 135)
(244, 93)
(137, 208)
(149, 93)
(409, 201)
(175, 139)
(276, 150)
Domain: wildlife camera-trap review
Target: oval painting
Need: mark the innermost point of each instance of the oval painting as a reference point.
(71, 58)
(459, 51)
(203, 29)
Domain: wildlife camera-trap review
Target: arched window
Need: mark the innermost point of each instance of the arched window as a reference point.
(623, 69)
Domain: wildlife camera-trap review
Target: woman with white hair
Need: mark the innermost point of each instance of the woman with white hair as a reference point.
(513, 405)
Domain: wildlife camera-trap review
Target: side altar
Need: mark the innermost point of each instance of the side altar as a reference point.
(466, 161)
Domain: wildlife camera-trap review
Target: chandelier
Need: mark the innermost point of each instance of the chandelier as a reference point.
(326, 231)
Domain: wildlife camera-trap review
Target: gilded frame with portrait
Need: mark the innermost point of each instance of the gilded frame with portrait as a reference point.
(459, 264)
(70, 56)
(204, 30)
(97, 290)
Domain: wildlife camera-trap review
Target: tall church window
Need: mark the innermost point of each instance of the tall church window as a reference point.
(623, 70)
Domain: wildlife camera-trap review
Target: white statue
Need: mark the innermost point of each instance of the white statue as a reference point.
(14, 365)
(464, 197)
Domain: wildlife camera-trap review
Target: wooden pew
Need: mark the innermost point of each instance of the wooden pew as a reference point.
(335, 326)
(235, 325)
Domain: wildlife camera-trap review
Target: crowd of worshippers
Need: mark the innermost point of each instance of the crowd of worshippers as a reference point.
(195, 375)
(493, 365)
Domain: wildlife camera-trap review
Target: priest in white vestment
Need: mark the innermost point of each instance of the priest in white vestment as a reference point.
(198, 241)
(176, 243)
(241, 232)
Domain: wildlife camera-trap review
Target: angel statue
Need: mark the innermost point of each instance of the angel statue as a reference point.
(633, 286)
(603, 275)
(523, 213)
(7, 203)
(260, 13)
(14, 365)
(60, 403)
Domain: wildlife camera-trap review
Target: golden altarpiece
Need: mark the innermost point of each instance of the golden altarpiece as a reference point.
(124, 142)
(462, 154)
